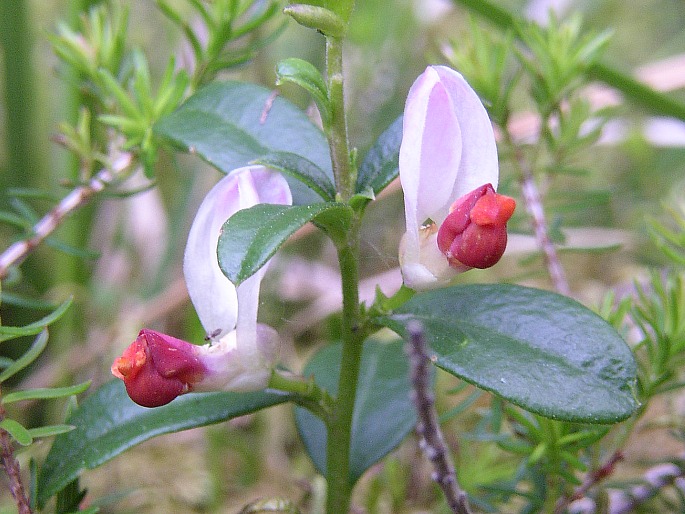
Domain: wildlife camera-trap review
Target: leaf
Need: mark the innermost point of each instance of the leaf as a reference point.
(308, 77)
(17, 431)
(50, 430)
(27, 358)
(230, 124)
(45, 393)
(35, 327)
(383, 412)
(108, 423)
(251, 236)
(302, 169)
(539, 350)
(381, 164)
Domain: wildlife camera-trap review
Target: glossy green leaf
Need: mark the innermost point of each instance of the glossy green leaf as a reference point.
(108, 423)
(231, 124)
(27, 358)
(251, 236)
(17, 431)
(383, 412)
(45, 393)
(307, 76)
(540, 350)
(35, 327)
(381, 164)
(302, 169)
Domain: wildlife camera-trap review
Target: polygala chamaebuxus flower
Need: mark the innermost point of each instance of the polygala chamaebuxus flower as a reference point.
(156, 368)
(448, 169)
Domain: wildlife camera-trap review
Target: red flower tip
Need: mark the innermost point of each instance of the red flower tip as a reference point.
(474, 234)
(156, 368)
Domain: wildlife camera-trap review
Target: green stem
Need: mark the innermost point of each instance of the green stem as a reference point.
(305, 392)
(344, 174)
(340, 425)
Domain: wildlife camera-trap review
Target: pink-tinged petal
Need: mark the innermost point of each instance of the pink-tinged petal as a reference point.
(478, 163)
(234, 366)
(212, 294)
(448, 149)
(433, 270)
(431, 149)
(156, 368)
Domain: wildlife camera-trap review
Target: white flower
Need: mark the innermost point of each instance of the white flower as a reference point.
(448, 151)
(156, 367)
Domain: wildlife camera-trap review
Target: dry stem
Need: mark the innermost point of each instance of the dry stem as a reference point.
(78, 197)
(533, 199)
(592, 479)
(432, 442)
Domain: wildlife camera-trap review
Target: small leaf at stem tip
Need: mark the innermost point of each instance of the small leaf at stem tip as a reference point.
(319, 18)
(305, 75)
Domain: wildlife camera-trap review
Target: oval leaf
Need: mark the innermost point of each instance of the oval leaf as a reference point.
(230, 124)
(305, 75)
(302, 169)
(381, 164)
(251, 236)
(542, 351)
(383, 412)
(108, 422)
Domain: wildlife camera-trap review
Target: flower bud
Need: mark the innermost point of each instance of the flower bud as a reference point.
(156, 368)
(318, 18)
(474, 233)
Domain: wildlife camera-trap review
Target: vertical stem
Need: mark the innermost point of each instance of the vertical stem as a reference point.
(344, 174)
(340, 426)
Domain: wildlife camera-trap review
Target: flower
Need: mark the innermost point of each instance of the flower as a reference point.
(448, 152)
(156, 368)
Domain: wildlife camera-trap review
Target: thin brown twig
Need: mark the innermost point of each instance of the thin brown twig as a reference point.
(591, 480)
(533, 200)
(78, 197)
(432, 442)
(11, 467)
